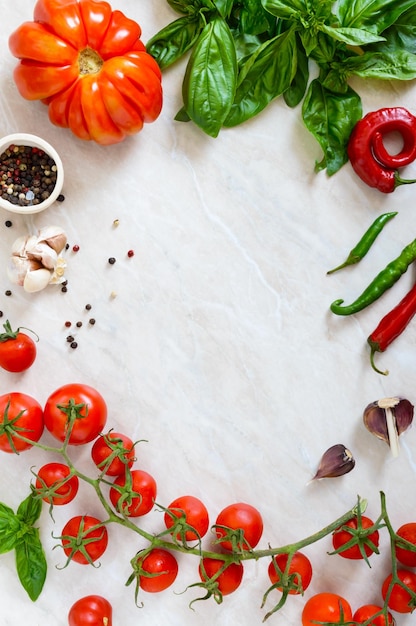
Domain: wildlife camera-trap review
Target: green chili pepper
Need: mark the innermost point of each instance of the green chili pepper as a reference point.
(381, 283)
(363, 246)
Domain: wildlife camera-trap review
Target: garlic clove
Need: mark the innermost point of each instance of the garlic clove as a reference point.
(336, 461)
(387, 419)
(36, 280)
(18, 267)
(44, 253)
(19, 246)
(54, 237)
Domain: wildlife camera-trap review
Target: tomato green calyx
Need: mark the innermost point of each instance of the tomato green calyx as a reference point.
(9, 427)
(9, 333)
(73, 412)
(89, 61)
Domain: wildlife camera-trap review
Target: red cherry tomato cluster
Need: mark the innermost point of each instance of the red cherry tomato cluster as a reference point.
(76, 414)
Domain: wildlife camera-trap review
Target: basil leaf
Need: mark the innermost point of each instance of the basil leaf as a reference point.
(31, 563)
(29, 510)
(401, 35)
(224, 7)
(210, 77)
(191, 7)
(297, 88)
(253, 18)
(182, 116)
(171, 43)
(390, 65)
(263, 77)
(375, 15)
(330, 117)
(352, 36)
(9, 528)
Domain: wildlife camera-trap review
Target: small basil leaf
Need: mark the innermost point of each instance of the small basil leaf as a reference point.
(263, 77)
(9, 529)
(171, 43)
(210, 77)
(224, 7)
(330, 117)
(389, 65)
(352, 36)
(297, 89)
(286, 9)
(29, 510)
(182, 116)
(253, 18)
(31, 563)
(374, 15)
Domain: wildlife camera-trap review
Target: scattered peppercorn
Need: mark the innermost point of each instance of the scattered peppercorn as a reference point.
(7, 292)
(68, 324)
(1, 313)
(75, 248)
(111, 260)
(64, 289)
(130, 253)
(60, 198)
(74, 345)
(66, 246)
(79, 324)
(92, 321)
(70, 338)
(88, 307)
(8, 223)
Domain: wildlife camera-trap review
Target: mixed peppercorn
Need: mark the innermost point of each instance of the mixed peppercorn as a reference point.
(27, 175)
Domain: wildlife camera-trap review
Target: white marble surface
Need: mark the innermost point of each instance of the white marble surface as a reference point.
(219, 348)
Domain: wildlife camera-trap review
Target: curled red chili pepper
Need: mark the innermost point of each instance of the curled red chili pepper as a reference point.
(392, 325)
(368, 154)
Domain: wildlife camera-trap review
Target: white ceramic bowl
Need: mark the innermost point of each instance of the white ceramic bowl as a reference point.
(25, 139)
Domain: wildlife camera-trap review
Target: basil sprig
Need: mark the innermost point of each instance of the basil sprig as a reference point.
(246, 53)
(18, 533)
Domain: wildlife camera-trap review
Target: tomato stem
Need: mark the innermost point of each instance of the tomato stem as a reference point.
(89, 61)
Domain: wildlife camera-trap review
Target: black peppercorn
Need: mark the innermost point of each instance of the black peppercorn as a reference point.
(111, 260)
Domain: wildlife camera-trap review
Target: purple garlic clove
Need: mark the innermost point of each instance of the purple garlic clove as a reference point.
(336, 461)
(387, 419)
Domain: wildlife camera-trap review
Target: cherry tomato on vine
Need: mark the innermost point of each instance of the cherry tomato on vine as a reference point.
(137, 493)
(91, 611)
(20, 414)
(244, 517)
(84, 539)
(112, 453)
(196, 515)
(79, 406)
(366, 612)
(17, 350)
(400, 599)
(55, 483)
(342, 536)
(405, 555)
(228, 581)
(326, 607)
(161, 567)
(300, 569)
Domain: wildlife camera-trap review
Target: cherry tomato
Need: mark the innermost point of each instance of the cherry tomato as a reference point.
(366, 612)
(243, 517)
(405, 555)
(117, 447)
(84, 539)
(228, 581)
(79, 405)
(326, 607)
(89, 65)
(300, 568)
(162, 567)
(17, 350)
(136, 499)
(91, 611)
(56, 484)
(340, 537)
(196, 515)
(19, 414)
(400, 598)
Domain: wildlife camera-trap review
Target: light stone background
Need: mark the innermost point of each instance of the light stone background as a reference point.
(219, 348)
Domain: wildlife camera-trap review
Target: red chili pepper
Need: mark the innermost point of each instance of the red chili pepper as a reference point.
(392, 325)
(368, 154)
